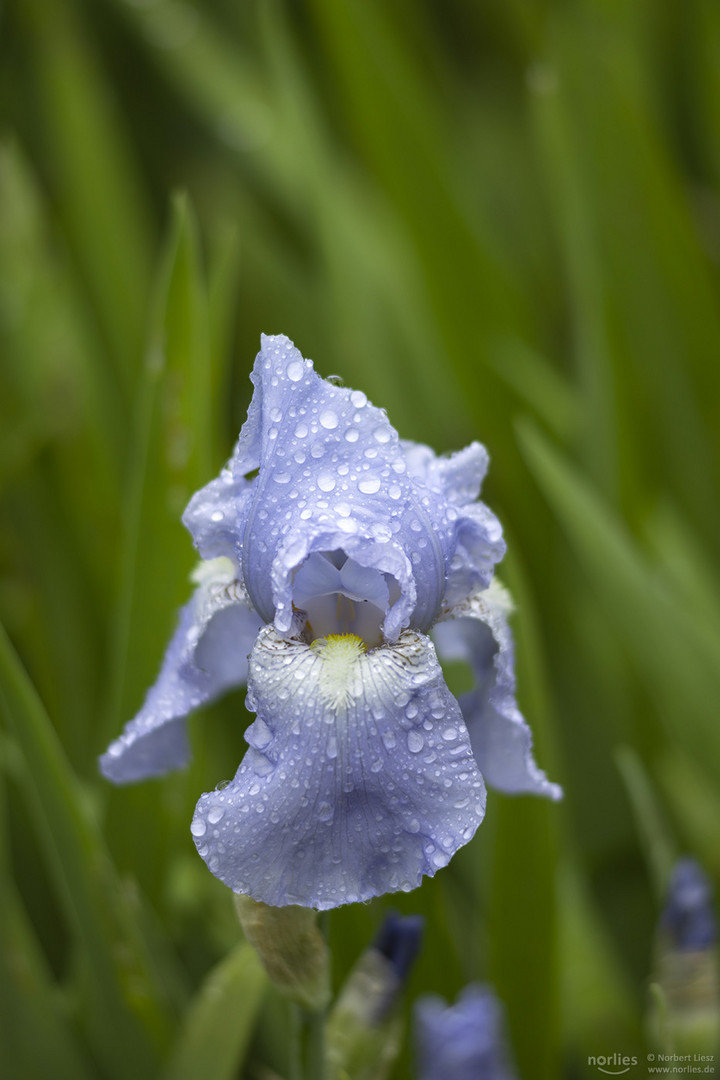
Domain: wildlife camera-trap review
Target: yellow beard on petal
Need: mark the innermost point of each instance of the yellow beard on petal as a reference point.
(340, 654)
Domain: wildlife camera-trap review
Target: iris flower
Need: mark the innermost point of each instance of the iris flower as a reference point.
(464, 1041)
(330, 550)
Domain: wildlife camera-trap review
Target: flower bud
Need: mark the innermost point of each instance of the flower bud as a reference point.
(364, 1031)
(685, 1015)
(291, 948)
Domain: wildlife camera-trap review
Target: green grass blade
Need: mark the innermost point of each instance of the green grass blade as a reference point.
(172, 451)
(677, 652)
(657, 844)
(124, 1013)
(220, 1021)
(94, 174)
(29, 1004)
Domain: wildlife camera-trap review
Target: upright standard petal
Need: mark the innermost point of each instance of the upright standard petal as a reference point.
(477, 631)
(332, 476)
(464, 1041)
(453, 482)
(360, 778)
(206, 656)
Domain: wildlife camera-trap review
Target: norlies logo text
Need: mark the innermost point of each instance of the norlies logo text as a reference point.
(613, 1064)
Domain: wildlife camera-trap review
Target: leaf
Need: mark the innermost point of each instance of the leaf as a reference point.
(94, 174)
(172, 451)
(219, 1023)
(657, 844)
(678, 654)
(126, 1011)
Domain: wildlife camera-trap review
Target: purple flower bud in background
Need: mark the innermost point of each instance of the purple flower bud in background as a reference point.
(399, 941)
(684, 1013)
(688, 917)
(330, 550)
(365, 1026)
(463, 1041)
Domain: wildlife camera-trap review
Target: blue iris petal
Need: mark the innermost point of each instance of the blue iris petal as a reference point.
(333, 476)
(360, 778)
(206, 656)
(463, 1041)
(479, 634)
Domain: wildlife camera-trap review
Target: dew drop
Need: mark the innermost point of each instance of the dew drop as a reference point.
(369, 485)
(352, 435)
(358, 399)
(329, 419)
(260, 733)
(389, 739)
(198, 827)
(449, 734)
(381, 434)
(325, 811)
(332, 749)
(281, 477)
(301, 431)
(381, 532)
(415, 742)
(216, 814)
(326, 481)
(294, 371)
(217, 516)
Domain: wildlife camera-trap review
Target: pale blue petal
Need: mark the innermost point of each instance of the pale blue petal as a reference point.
(333, 476)
(206, 656)
(316, 577)
(479, 633)
(214, 515)
(360, 778)
(464, 1041)
(474, 538)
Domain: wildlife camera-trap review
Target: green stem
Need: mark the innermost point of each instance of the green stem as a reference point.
(312, 1029)
(295, 1055)
(312, 1045)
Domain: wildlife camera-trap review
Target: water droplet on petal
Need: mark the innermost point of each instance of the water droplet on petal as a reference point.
(294, 371)
(381, 434)
(329, 419)
(352, 434)
(216, 814)
(326, 481)
(198, 827)
(325, 811)
(389, 739)
(415, 742)
(369, 485)
(358, 399)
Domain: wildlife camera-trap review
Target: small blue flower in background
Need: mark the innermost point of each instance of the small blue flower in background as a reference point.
(463, 1041)
(329, 567)
(688, 917)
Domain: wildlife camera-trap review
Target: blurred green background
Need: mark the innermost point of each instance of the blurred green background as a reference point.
(502, 221)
